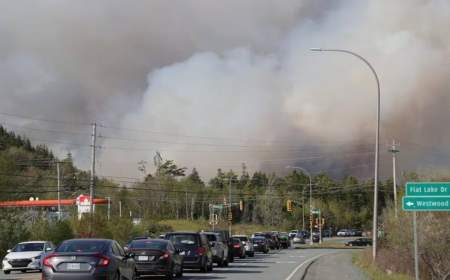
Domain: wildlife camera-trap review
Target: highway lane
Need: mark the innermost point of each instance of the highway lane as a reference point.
(283, 265)
(278, 265)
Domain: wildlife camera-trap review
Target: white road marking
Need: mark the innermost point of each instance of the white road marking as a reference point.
(302, 264)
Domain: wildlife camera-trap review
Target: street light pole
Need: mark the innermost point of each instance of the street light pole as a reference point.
(377, 138)
(310, 200)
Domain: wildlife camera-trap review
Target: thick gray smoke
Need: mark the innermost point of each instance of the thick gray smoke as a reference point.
(215, 84)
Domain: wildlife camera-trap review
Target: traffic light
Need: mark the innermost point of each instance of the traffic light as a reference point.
(289, 205)
(241, 205)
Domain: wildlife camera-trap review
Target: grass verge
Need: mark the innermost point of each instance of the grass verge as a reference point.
(363, 260)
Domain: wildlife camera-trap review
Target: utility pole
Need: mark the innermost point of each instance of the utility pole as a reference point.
(109, 208)
(120, 208)
(92, 185)
(58, 175)
(230, 217)
(186, 202)
(394, 151)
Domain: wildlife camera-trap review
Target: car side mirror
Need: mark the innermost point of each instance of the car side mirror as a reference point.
(131, 255)
(8, 251)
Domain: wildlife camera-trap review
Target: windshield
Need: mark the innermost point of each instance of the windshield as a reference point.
(28, 247)
(82, 246)
(183, 239)
(148, 244)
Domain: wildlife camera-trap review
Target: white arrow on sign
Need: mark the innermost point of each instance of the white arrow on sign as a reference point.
(409, 203)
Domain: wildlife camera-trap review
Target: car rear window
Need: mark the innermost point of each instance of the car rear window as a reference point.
(83, 246)
(148, 244)
(242, 238)
(183, 239)
(211, 237)
(258, 240)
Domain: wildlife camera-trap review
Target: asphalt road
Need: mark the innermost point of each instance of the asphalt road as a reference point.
(287, 264)
(335, 266)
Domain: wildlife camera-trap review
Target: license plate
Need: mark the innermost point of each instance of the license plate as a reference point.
(143, 258)
(73, 266)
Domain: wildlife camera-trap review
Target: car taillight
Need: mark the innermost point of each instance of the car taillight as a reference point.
(46, 261)
(165, 256)
(200, 251)
(237, 245)
(103, 261)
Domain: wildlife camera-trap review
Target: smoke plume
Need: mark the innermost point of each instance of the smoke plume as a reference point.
(217, 84)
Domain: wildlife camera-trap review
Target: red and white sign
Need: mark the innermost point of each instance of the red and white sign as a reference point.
(84, 205)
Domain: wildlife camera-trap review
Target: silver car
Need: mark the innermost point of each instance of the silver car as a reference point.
(89, 259)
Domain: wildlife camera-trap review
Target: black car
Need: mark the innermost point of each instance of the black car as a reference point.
(89, 259)
(195, 249)
(238, 248)
(226, 239)
(271, 241)
(219, 249)
(260, 244)
(156, 257)
(316, 237)
(360, 242)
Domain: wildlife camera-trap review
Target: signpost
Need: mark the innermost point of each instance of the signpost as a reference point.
(425, 196)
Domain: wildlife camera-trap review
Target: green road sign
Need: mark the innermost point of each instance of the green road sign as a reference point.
(428, 189)
(426, 203)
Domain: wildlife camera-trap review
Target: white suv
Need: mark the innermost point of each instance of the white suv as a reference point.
(26, 256)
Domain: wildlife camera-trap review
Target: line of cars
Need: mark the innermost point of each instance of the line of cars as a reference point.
(167, 256)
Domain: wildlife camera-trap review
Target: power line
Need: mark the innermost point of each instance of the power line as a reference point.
(42, 120)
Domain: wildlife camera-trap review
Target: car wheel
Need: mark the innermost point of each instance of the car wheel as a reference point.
(134, 276)
(210, 267)
(170, 273)
(221, 262)
(204, 267)
(252, 254)
(6, 271)
(116, 276)
(180, 272)
(225, 263)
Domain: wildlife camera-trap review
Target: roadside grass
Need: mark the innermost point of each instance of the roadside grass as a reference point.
(363, 260)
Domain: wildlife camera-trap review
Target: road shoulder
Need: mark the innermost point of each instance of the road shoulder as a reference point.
(334, 266)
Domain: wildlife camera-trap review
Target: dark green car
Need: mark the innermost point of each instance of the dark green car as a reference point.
(284, 240)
